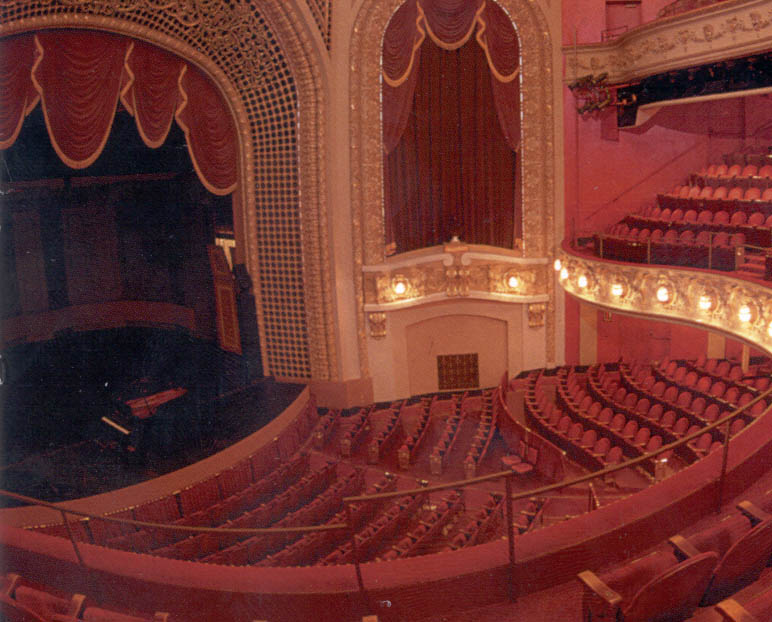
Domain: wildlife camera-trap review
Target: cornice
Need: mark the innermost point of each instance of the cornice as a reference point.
(708, 299)
(730, 29)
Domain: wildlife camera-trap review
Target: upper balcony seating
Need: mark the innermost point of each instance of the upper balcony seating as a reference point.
(681, 6)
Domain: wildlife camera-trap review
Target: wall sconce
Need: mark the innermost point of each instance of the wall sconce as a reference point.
(399, 285)
(512, 280)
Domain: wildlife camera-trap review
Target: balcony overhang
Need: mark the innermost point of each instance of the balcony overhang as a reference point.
(708, 299)
(730, 29)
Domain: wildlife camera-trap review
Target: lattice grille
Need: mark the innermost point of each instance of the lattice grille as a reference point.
(458, 371)
(234, 35)
(322, 12)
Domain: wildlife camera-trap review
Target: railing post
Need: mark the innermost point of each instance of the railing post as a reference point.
(710, 250)
(510, 538)
(72, 539)
(648, 251)
(724, 457)
(355, 553)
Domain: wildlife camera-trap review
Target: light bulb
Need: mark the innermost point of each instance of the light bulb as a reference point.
(582, 281)
(706, 302)
(663, 294)
(558, 265)
(617, 289)
(513, 282)
(563, 274)
(744, 313)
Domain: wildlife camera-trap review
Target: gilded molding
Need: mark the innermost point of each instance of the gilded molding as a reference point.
(454, 271)
(536, 154)
(727, 29)
(740, 308)
(232, 43)
(377, 322)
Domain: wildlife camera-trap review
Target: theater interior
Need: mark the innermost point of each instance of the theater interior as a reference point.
(385, 310)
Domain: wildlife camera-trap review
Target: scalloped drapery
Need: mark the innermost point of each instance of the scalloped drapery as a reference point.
(450, 24)
(79, 77)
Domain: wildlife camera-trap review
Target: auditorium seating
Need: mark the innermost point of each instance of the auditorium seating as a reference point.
(355, 428)
(481, 441)
(24, 602)
(447, 440)
(413, 441)
(385, 439)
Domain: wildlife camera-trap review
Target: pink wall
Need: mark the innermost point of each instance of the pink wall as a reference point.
(647, 340)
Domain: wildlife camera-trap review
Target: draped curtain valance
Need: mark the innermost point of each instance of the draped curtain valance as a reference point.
(449, 24)
(79, 77)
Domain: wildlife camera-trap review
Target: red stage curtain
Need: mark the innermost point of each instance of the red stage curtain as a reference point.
(401, 55)
(17, 93)
(450, 23)
(210, 132)
(78, 76)
(499, 40)
(452, 173)
(151, 94)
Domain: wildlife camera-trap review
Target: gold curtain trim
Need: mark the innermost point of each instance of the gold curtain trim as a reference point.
(480, 32)
(186, 130)
(130, 103)
(394, 83)
(76, 164)
(455, 44)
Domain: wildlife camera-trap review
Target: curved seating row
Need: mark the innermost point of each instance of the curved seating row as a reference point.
(325, 428)
(387, 525)
(481, 441)
(265, 515)
(442, 448)
(384, 441)
(429, 527)
(483, 526)
(356, 428)
(315, 545)
(413, 442)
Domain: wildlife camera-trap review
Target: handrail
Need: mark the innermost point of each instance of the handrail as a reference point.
(348, 502)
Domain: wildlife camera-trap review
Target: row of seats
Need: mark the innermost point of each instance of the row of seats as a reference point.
(265, 515)
(482, 527)
(315, 545)
(317, 511)
(442, 448)
(723, 369)
(413, 442)
(356, 428)
(22, 601)
(704, 216)
(591, 447)
(430, 525)
(383, 441)
(682, 6)
(700, 569)
(325, 428)
(684, 237)
(704, 395)
(386, 526)
(720, 256)
(481, 441)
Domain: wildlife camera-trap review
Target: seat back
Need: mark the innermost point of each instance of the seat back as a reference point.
(674, 594)
(742, 563)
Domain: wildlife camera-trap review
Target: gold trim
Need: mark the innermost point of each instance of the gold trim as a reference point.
(728, 29)
(685, 289)
(536, 154)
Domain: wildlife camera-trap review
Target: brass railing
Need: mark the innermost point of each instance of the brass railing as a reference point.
(507, 476)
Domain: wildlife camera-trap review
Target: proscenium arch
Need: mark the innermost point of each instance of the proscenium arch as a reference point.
(537, 153)
(238, 75)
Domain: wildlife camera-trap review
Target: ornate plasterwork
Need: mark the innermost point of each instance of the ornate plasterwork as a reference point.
(454, 271)
(729, 29)
(234, 45)
(720, 302)
(537, 152)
